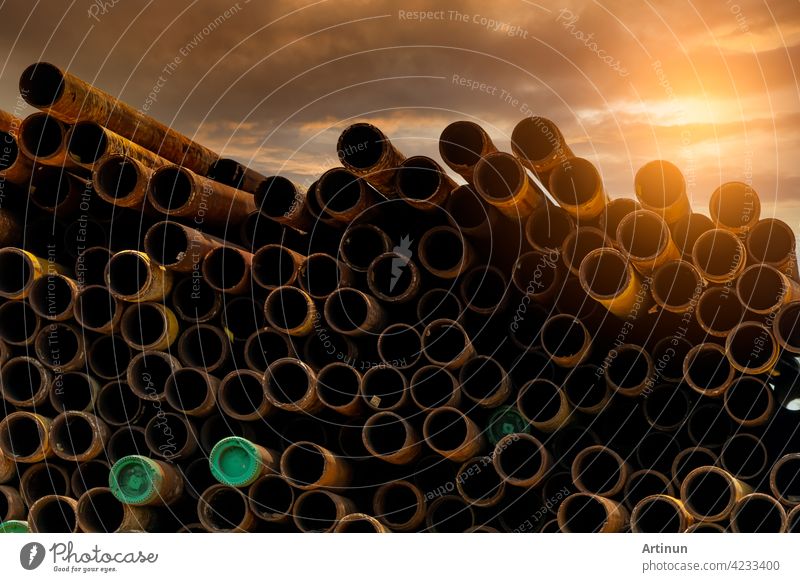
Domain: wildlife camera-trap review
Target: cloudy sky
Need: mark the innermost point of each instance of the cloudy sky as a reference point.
(712, 86)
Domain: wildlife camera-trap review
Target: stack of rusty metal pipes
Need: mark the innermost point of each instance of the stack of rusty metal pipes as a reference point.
(188, 345)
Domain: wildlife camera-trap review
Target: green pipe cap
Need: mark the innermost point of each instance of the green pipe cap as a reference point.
(14, 526)
(235, 462)
(135, 480)
(506, 420)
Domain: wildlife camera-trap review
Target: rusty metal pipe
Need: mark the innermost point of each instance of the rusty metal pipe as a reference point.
(614, 212)
(12, 507)
(223, 509)
(74, 391)
(483, 380)
(585, 389)
(275, 265)
(53, 514)
(763, 289)
(359, 523)
(660, 514)
(450, 514)
(548, 227)
(749, 401)
(400, 345)
(719, 255)
(117, 405)
(227, 270)
(148, 373)
(178, 192)
(391, 438)
(241, 396)
(687, 230)
(752, 348)
(367, 152)
(192, 392)
(18, 270)
(599, 470)
(320, 510)
(538, 275)
(78, 436)
(644, 236)
(687, 460)
(707, 370)
(668, 356)
(484, 290)
(149, 326)
(709, 425)
(438, 303)
(98, 511)
(443, 251)
(24, 437)
(40, 479)
(290, 384)
(394, 278)
(171, 436)
(58, 192)
(125, 441)
(292, 311)
(432, 387)
(234, 174)
(735, 206)
(307, 466)
(719, 311)
(263, 347)
(643, 483)
(543, 405)
(320, 274)
(784, 479)
(608, 277)
(661, 188)
(580, 243)
(43, 139)
(630, 370)
(502, 182)
(446, 343)
(194, 301)
(177, 247)
(133, 276)
(352, 312)
(338, 386)
(479, 484)
(19, 324)
(89, 143)
(422, 183)
(758, 513)
(361, 243)
(771, 241)
(462, 144)
(271, 498)
(399, 505)
(540, 145)
(342, 196)
(283, 201)
(589, 513)
(521, 460)
(710, 493)
(15, 166)
(578, 188)
(745, 456)
(471, 215)
(204, 346)
(71, 99)
(384, 388)
(90, 265)
(122, 181)
(25, 382)
(566, 340)
(52, 296)
(677, 286)
(666, 408)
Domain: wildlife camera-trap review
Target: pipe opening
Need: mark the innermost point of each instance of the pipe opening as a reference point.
(598, 470)
(583, 514)
(788, 326)
(278, 197)
(733, 204)
(690, 459)
(645, 483)
(225, 508)
(540, 400)
(718, 253)
(400, 344)
(614, 212)
(42, 135)
(443, 249)
(271, 496)
(93, 262)
(144, 324)
(688, 229)
(548, 227)
(16, 271)
(761, 288)
(171, 188)
(128, 274)
(709, 425)
(361, 244)
(564, 336)
(315, 511)
(202, 347)
(338, 384)
(74, 391)
(419, 178)
(630, 369)
(166, 243)
(466, 208)
(41, 84)
(444, 341)
(450, 515)
(287, 308)
(461, 143)
(320, 275)
(359, 525)
(666, 407)
(273, 266)
(668, 356)
(288, 381)
(605, 273)
(339, 190)
(708, 368)
(55, 515)
(438, 304)
(194, 299)
(22, 380)
(484, 288)
(361, 145)
(127, 441)
(580, 244)
(759, 514)
(109, 356)
(525, 332)
(50, 187)
(479, 480)
(536, 138)
(303, 464)
(658, 516)
(500, 176)
(786, 477)
(117, 178)
(771, 241)
(432, 386)
(148, 374)
(386, 434)
(224, 268)
(584, 387)
(44, 479)
(187, 389)
(719, 310)
(10, 150)
(676, 284)
(73, 434)
(745, 456)
(242, 394)
(535, 273)
(101, 512)
(398, 504)
(387, 279)
(117, 404)
(346, 309)
(659, 184)
(263, 348)
(51, 296)
(384, 388)
(168, 435)
(23, 435)
(751, 346)
(575, 182)
(748, 399)
(88, 142)
(482, 377)
(59, 346)
(643, 235)
(522, 459)
(708, 493)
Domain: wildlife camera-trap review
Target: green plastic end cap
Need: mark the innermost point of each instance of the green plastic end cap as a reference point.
(14, 526)
(235, 462)
(506, 420)
(134, 480)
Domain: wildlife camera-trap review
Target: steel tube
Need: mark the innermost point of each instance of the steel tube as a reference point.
(502, 182)
(367, 152)
(735, 206)
(660, 514)
(53, 514)
(710, 493)
(462, 144)
(661, 188)
(391, 438)
(578, 188)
